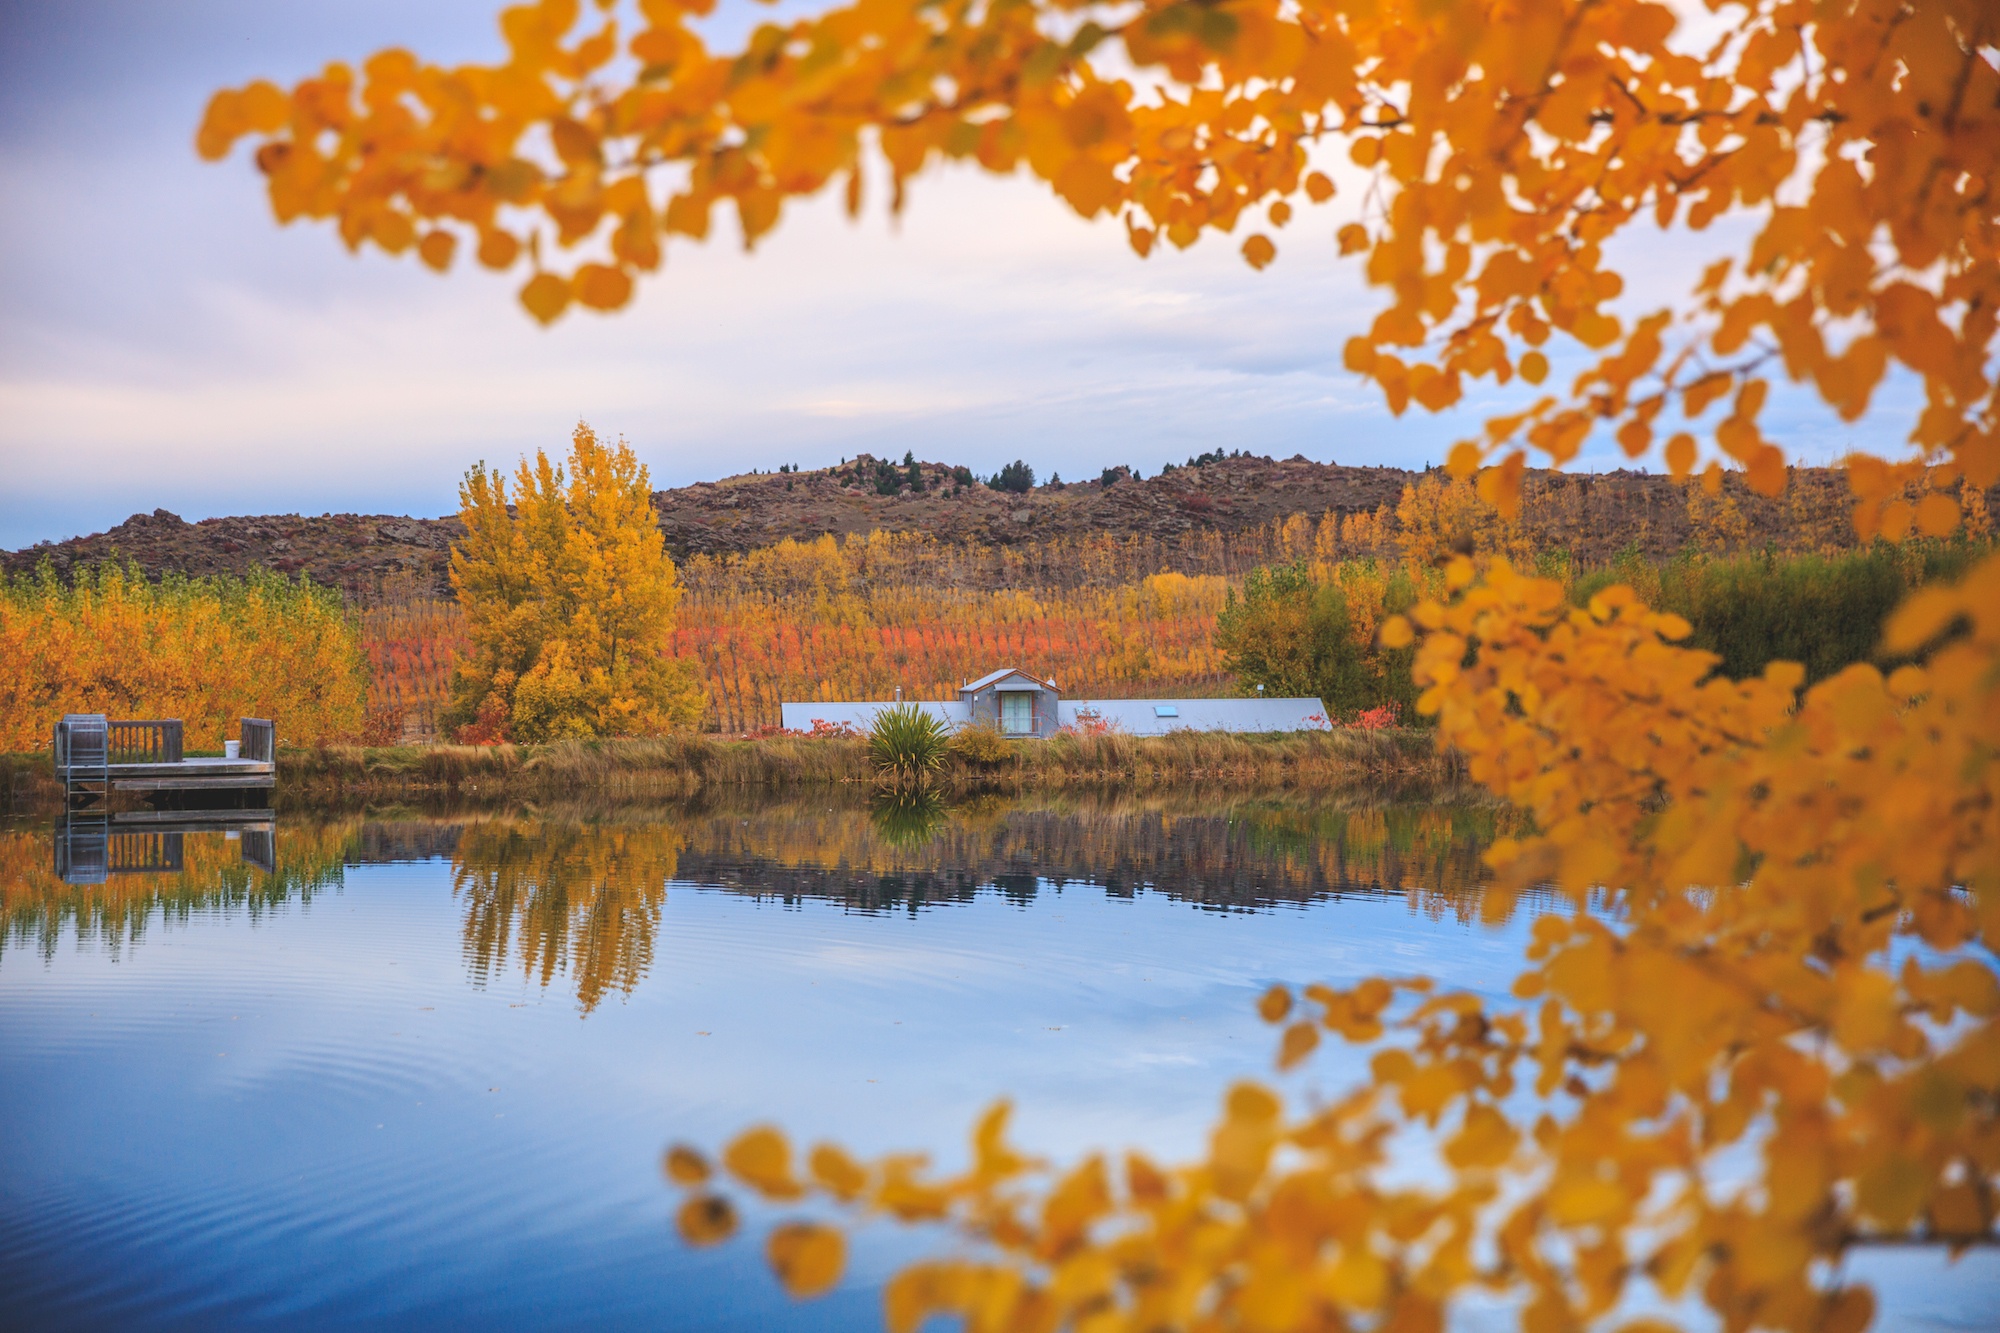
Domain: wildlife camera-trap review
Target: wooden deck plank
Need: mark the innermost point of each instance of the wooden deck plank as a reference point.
(194, 784)
(193, 768)
(195, 821)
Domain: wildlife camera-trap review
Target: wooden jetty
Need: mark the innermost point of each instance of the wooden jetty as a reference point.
(96, 755)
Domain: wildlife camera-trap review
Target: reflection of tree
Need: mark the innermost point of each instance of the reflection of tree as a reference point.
(582, 899)
(210, 875)
(580, 891)
(1204, 852)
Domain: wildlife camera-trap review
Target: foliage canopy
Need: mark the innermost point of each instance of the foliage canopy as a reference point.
(1785, 905)
(206, 650)
(569, 600)
(1505, 143)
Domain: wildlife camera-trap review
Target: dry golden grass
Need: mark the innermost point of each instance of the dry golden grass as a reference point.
(683, 765)
(1401, 762)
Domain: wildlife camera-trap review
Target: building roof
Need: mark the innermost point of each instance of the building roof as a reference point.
(1157, 717)
(992, 677)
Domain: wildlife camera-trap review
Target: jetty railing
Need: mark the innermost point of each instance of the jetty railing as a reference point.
(83, 758)
(94, 753)
(157, 742)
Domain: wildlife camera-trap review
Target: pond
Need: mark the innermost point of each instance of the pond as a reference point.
(417, 1069)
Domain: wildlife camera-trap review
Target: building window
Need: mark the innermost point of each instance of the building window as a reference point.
(1017, 713)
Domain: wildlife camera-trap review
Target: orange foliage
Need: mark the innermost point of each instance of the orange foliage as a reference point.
(1504, 143)
(206, 651)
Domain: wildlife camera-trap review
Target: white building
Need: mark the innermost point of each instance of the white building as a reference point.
(1023, 705)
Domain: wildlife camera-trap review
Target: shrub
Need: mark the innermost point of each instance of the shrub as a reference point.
(1296, 636)
(906, 743)
(980, 746)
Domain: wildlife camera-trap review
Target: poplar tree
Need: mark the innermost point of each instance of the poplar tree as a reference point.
(569, 601)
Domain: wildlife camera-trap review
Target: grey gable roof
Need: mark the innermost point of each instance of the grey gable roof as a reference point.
(993, 676)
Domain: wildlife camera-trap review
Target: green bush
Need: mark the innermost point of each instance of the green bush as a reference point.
(906, 743)
(1297, 639)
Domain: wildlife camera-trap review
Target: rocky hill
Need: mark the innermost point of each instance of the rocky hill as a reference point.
(1594, 515)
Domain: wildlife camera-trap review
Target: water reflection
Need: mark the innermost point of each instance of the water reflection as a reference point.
(91, 847)
(577, 894)
(105, 878)
(577, 899)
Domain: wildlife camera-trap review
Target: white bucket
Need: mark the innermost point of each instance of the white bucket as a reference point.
(232, 749)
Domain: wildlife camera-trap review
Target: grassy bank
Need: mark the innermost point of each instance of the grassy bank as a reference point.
(682, 766)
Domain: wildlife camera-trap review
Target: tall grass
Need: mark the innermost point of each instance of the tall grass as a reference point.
(1392, 760)
(205, 650)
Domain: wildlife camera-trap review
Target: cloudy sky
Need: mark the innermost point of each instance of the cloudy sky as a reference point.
(164, 343)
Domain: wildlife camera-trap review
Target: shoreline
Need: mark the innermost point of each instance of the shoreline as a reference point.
(1403, 759)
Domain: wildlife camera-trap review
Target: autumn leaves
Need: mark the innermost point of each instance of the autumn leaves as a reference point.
(1507, 143)
(569, 600)
(207, 651)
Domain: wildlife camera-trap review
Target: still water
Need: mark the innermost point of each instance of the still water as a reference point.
(416, 1071)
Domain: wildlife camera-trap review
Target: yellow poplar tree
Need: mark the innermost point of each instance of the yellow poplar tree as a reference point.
(569, 601)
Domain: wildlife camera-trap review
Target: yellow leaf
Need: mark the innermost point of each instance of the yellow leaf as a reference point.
(436, 248)
(1299, 1041)
(602, 287)
(1088, 185)
(706, 1220)
(842, 1176)
(685, 1166)
(1485, 1140)
(1274, 1004)
(1357, 1279)
(1937, 515)
(1680, 454)
(807, 1257)
(546, 296)
(762, 1159)
(1319, 189)
(1534, 367)
(1583, 1200)
(1259, 251)
(498, 249)
(1766, 470)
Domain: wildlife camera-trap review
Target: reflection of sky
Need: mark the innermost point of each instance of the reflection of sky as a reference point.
(161, 336)
(316, 1120)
